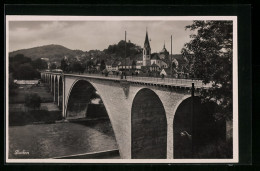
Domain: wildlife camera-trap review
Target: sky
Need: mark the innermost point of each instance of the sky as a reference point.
(90, 35)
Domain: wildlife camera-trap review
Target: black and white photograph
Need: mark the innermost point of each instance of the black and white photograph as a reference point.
(121, 89)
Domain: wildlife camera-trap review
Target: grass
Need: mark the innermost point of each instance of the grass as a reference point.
(17, 95)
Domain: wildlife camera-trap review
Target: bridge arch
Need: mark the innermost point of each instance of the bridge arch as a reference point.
(148, 126)
(82, 89)
(193, 127)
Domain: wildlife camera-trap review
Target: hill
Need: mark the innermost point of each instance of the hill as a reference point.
(56, 53)
(53, 52)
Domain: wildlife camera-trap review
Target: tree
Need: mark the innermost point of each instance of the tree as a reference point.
(63, 65)
(89, 64)
(26, 72)
(20, 58)
(76, 67)
(32, 100)
(39, 64)
(210, 59)
(53, 66)
(102, 65)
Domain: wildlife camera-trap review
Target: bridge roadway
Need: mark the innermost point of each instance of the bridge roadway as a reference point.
(187, 83)
(142, 110)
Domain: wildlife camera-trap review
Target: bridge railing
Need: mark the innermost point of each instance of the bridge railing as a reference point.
(165, 80)
(175, 81)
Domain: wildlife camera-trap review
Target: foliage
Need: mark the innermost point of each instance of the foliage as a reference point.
(64, 66)
(102, 65)
(24, 68)
(25, 72)
(119, 49)
(76, 66)
(89, 64)
(32, 100)
(20, 58)
(210, 58)
(53, 66)
(39, 64)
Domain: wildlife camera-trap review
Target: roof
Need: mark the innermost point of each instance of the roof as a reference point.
(164, 50)
(154, 65)
(109, 62)
(155, 56)
(115, 63)
(146, 41)
(181, 60)
(126, 62)
(166, 70)
(139, 64)
(22, 82)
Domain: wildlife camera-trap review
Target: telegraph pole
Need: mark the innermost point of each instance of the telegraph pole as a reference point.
(125, 55)
(171, 56)
(192, 115)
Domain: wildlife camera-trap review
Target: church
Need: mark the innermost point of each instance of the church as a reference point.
(153, 61)
(161, 61)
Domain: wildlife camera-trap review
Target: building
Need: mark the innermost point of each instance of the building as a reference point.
(146, 52)
(112, 65)
(109, 65)
(154, 67)
(127, 64)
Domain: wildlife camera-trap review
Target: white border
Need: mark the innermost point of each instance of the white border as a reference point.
(130, 18)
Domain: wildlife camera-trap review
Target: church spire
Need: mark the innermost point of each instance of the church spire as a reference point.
(146, 42)
(164, 44)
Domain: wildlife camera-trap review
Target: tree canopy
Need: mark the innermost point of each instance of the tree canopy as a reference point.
(210, 58)
(39, 64)
(24, 68)
(53, 66)
(76, 66)
(25, 72)
(64, 65)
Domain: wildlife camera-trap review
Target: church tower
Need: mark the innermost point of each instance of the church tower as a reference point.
(146, 51)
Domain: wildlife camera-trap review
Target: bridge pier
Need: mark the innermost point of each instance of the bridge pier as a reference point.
(51, 82)
(58, 90)
(54, 90)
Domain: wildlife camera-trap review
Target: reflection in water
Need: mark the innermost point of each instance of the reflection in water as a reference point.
(61, 139)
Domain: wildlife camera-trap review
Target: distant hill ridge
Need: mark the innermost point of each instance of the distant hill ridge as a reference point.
(56, 53)
(53, 52)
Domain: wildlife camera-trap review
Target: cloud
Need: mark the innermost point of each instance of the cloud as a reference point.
(87, 35)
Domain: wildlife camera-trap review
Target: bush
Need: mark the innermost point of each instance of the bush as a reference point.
(32, 101)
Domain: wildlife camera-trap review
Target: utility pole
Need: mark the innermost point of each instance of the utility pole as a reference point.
(192, 114)
(171, 56)
(125, 54)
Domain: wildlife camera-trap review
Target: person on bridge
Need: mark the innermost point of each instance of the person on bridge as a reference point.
(162, 76)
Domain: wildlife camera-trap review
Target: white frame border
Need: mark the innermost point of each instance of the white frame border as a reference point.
(129, 18)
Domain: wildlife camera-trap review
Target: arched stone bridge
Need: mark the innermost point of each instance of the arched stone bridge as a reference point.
(143, 114)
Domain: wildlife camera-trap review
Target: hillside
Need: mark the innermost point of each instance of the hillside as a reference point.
(57, 52)
(53, 52)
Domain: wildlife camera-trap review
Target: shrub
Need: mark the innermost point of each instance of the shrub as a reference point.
(32, 101)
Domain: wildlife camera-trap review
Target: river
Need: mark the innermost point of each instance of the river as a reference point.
(41, 141)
